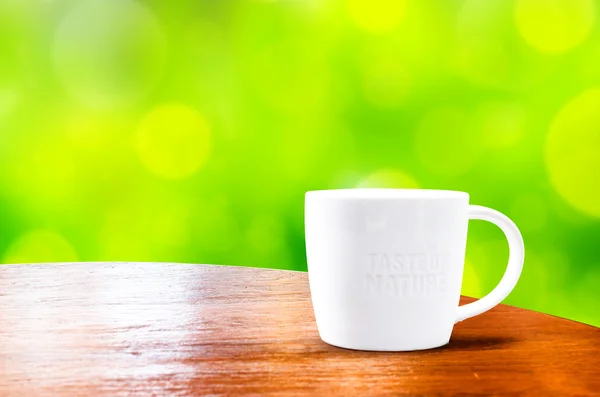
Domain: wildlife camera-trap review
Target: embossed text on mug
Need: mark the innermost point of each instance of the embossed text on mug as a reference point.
(406, 274)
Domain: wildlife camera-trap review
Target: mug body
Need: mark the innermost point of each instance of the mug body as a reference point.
(385, 265)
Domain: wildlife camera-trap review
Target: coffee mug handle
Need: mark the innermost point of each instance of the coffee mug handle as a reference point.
(516, 256)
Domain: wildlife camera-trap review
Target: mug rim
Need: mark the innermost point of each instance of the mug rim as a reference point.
(386, 193)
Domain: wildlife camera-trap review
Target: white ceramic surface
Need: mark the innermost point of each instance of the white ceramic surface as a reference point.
(385, 265)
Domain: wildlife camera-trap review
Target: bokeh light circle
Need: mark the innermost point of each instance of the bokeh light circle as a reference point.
(173, 141)
(503, 124)
(45, 175)
(40, 246)
(377, 16)
(291, 77)
(485, 261)
(386, 81)
(151, 223)
(481, 54)
(109, 54)
(554, 26)
(537, 275)
(488, 52)
(124, 235)
(389, 178)
(265, 235)
(573, 152)
(529, 211)
(586, 307)
(170, 226)
(8, 101)
(447, 141)
(471, 285)
(216, 229)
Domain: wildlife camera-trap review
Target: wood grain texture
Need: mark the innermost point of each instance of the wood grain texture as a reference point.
(123, 329)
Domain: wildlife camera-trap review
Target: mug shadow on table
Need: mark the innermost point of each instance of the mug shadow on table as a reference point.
(458, 343)
(477, 343)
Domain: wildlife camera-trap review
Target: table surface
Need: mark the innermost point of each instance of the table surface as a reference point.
(112, 329)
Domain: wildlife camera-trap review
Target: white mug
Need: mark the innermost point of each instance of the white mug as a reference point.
(385, 265)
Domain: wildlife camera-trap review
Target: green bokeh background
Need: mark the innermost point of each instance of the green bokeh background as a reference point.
(188, 131)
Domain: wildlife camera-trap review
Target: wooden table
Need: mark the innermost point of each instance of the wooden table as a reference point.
(122, 329)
